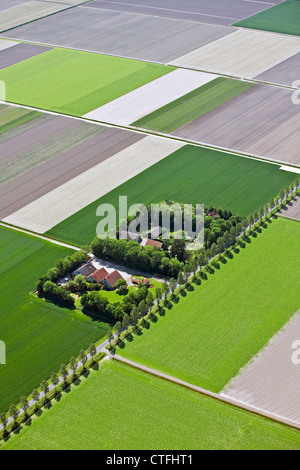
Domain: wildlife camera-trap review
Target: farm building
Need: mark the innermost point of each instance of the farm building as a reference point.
(149, 242)
(85, 270)
(130, 236)
(111, 280)
(97, 276)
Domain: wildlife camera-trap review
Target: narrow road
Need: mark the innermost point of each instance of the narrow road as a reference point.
(222, 397)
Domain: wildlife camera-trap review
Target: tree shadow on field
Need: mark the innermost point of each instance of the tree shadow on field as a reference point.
(197, 281)
(183, 293)
(153, 319)
(6, 436)
(175, 299)
(86, 373)
(146, 324)
(236, 250)
(58, 396)
(121, 345)
(190, 288)
(17, 429)
(96, 365)
(223, 260)
(28, 422)
(48, 405)
(169, 305)
(162, 312)
(129, 338)
(139, 331)
(77, 381)
(39, 412)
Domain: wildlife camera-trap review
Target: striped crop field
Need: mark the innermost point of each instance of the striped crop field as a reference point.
(192, 105)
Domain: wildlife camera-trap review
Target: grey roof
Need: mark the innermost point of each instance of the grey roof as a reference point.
(86, 270)
(129, 235)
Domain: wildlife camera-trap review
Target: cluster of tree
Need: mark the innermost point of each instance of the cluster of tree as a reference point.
(58, 295)
(46, 284)
(133, 255)
(80, 284)
(95, 302)
(216, 228)
(61, 268)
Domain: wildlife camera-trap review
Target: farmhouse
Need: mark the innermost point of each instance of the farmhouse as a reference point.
(149, 242)
(213, 214)
(85, 270)
(111, 280)
(97, 276)
(130, 236)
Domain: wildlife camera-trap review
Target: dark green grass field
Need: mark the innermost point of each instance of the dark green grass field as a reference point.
(210, 334)
(191, 175)
(75, 82)
(121, 408)
(193, 105)
(39, 336)
(282, 18)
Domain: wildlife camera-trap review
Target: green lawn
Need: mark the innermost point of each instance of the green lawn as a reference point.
(282, 18)
(209, 335)
(114, 297)
(123, 408)
(75, 82)
(39, 336)
(191, 175)
(193, 105)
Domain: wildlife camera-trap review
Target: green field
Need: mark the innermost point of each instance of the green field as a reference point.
(75, 82)
(191, 175)
(193, 105)
(123, 408)
(282, 18)
(39, 336)
(209, 335)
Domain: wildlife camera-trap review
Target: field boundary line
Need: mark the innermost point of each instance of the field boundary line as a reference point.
(243, 369)
(42, 237)
(168, 64)
(68, 7)
(216, 396)
(156, 134)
